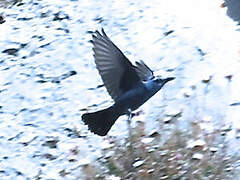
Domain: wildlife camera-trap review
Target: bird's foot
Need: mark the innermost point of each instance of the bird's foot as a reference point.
(137, 113)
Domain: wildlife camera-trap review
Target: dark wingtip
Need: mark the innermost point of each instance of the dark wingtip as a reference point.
(94, 36)
(104, 34)
(98, 33)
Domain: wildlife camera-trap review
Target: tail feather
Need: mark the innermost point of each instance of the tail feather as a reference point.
(100, 122)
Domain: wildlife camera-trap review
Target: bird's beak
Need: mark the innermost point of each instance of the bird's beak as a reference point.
(168, 79)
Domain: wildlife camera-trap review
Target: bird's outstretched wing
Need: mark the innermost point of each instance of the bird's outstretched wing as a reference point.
(117, 72)
(144, 72)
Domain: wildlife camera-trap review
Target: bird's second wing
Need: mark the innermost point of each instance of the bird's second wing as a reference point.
(117, 72)
(144, 72)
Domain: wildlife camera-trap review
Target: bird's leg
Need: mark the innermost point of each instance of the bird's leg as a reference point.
(129, 123)
(130, 115)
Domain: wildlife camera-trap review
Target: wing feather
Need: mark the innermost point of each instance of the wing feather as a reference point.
(144, 72)
(117, 72)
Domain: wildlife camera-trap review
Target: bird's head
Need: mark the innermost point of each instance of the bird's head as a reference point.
(157, 83)
(161, 81)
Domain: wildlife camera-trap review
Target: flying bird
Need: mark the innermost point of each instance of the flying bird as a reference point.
(130, 86)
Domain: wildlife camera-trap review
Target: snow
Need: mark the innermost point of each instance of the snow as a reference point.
(204, 46)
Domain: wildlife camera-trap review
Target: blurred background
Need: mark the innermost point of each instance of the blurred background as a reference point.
(188, 130)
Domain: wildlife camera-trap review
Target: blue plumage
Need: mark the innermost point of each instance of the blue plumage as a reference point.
(129, 86)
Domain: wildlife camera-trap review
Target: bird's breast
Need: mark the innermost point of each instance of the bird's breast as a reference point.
(133, 99)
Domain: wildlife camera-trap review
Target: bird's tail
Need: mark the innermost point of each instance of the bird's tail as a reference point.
(100, 122)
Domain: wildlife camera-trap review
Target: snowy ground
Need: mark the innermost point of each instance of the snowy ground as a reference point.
(48, 77)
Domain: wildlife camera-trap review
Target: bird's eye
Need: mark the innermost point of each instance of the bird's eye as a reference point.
(158, 80)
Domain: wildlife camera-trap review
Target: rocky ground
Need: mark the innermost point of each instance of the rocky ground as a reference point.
(48, 80)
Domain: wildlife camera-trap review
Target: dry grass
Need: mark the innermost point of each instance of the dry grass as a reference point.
(175, 159)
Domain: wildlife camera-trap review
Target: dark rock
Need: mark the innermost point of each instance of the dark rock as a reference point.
(201, 51)
(168, 32)
(99, 19)
(49, 156)
(60, 16)
(25, 19)
(235, 104)
(11, 51)
(51, 143)
(2, 20)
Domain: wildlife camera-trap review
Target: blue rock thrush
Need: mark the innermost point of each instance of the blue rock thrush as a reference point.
(129, 86)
